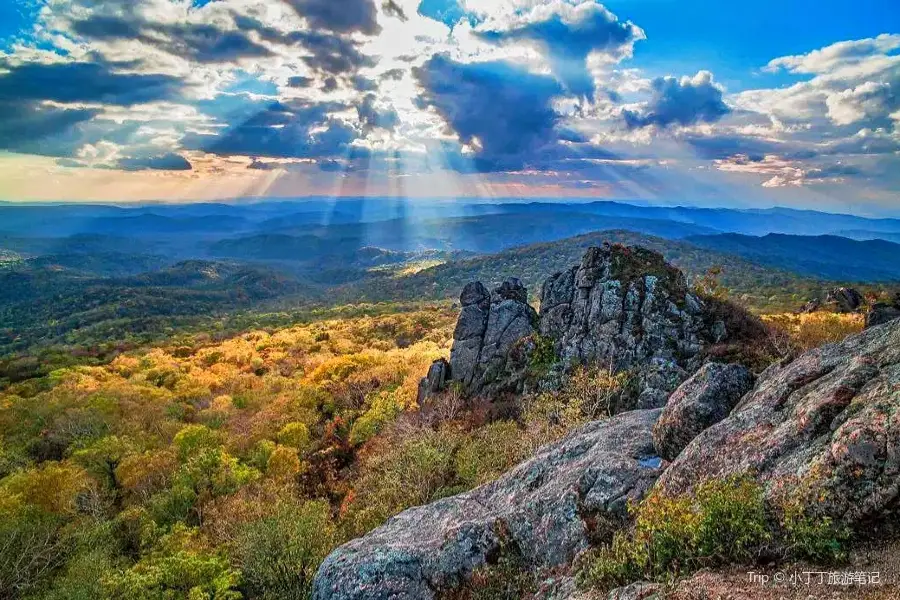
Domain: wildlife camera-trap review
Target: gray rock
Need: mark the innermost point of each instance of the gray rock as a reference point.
(545, 506)
(626, 308)
(844, 300)
(881, 313)
(701, 401)
(434, 382)
(825, 427)
(489, 328)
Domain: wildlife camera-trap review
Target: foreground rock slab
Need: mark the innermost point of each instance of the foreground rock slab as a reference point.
(826, 426)
(545, 507)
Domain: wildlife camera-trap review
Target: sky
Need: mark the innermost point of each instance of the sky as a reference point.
(791, 103)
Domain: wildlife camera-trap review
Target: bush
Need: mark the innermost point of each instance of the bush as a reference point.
(487, 453)
(295, 435)
(416, 471)
(279, 554)
(811, 536)
(178, 568)
(724, 522)
(32, 545)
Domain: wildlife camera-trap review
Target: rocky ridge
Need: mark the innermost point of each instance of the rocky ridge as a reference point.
(822, 427)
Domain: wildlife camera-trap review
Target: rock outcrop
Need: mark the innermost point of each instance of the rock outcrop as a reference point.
(844, 300)
(700, 402)
(825, 426)
(883, 312)
(490, 327)
(625, 307)
(546, 507)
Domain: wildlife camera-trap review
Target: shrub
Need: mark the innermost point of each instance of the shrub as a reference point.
(283, 463)
(487, 453)
(807, 331)
(279, 554)
(295, 435)
(724, 522)
(178, 568)
(31, 546)
(384, 408)
(415, 471)
(810, 536)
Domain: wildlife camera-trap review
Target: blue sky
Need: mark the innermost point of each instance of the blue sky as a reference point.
(691, 102)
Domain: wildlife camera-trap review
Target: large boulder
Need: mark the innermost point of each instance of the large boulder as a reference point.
(547, 508)
(884, 312)
(627, 309)
(844, 300)
(824, 428)
(701, 401)
(489, 330)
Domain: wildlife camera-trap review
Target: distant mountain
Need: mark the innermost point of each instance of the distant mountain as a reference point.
(828, 257)
(482, 234)
(756, 285)
(861, 234)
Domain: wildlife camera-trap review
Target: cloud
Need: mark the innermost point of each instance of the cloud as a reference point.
(165, 162)
(568, 33)
(297, 129)
(836, 56)
(344, 16)
(684, 101)
(852, 82)
(70, 82)
(503, 111)
(872, 101)
(34, 128)
(392, 9)
(372, 117)
(202, 42)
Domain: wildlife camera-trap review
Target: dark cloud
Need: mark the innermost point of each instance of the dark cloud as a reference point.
(372, 117)
(85, 82)
(282, 130)
(724, 146)
(341, 16)
(336, 55)
(683, 102)
(330, 85)
(393, 75)
(506, 108)
(35, 129)
(392, 9)
(200, 42)
(364, 84)
(835, 171)
(165, 162)
(568, 43)
(329, 52)
(300, 82)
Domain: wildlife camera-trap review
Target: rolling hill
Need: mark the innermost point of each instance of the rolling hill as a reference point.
(756, 285)
(826, 257)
